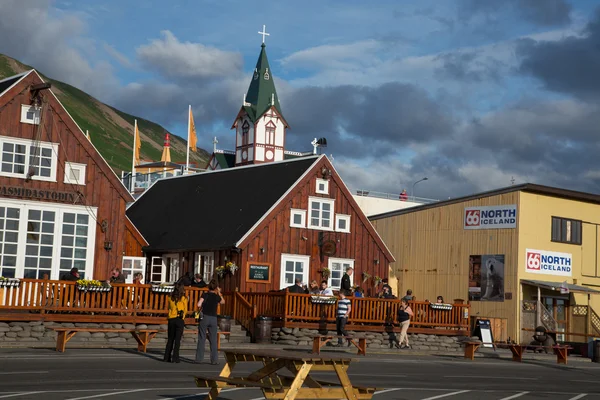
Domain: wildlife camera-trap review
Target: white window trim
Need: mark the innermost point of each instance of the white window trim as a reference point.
(78, 167)
(60, 209)
(302, 213)
(293, 257)
(326, 183)
(332, 211)
(341, 261)
(24, 110)
(28, 143)
(129, 278)
(345, 217)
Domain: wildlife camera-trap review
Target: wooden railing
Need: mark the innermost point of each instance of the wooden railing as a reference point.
(244, 312)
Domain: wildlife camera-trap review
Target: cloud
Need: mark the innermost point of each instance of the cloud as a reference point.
(173, 59)
(569, 65)
(334, 56)
(540, 12)
(469, 66)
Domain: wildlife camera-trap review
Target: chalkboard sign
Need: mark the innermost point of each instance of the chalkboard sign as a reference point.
(258, 272)
(483, 329)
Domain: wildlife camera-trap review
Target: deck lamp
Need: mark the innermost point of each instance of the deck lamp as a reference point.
(108, 246)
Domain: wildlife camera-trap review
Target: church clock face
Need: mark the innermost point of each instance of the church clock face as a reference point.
(269, 154)
(244, 155)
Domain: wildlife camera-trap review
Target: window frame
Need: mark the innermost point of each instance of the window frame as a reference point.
(245, 133)
(25, 108)
(302, 213)
(325, 182)
(69, 166)
(560, 232)
(53, 147)
(129, 272)
(309, 217)
(295, 258)
(341, 261)
(270, 129)
(344, 217)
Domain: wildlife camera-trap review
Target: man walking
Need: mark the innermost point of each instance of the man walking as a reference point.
(346, 286)
(343, 311)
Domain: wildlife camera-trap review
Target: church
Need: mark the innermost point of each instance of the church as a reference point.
(260, 217)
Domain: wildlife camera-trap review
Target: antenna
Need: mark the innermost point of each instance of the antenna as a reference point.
(512, 180)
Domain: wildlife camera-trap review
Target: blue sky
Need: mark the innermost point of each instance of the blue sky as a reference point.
(469, 93)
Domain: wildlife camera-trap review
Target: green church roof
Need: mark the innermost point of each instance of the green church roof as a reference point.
(262, 89)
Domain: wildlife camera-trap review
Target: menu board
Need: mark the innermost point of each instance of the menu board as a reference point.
(258, 272)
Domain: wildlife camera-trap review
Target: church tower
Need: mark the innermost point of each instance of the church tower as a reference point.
(259, 126)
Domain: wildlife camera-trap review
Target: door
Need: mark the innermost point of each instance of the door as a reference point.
(205, 265)
(559, 308)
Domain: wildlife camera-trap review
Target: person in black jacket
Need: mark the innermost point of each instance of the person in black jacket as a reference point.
(346, 285)
(297, 287)
(198, 281)
(71, 276)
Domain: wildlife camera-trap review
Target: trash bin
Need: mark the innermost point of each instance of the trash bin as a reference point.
(224, 322)
(262, 329)
(596, 351)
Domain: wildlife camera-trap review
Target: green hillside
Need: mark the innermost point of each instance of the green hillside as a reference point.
(111, 130)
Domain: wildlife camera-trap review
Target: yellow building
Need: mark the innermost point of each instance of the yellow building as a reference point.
(523, 256)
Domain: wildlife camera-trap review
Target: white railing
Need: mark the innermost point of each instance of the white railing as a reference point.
(394, 196)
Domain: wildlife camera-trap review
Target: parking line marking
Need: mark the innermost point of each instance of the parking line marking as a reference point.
(514, 396)
(446, 395)
(18, 394)
(578, 396)
(491, 377)
(108, 394)
(24, 372)
(386, 391)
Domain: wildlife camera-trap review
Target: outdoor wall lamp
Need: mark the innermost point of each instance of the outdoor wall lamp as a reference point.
(108, 246)
(262, 250)
(376, 262)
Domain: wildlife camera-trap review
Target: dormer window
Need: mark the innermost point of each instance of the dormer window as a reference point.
(30, 115)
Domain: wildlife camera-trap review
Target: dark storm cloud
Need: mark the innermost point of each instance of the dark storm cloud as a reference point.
(468, 67)
(570, 65)
(541, 12)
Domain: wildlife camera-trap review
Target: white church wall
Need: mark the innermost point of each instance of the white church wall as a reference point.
(278, 155)
(260, 154)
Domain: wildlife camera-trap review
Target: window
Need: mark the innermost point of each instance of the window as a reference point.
(342, 223)
(9, 237)
(20, 157)
(75, 173)
(44, 238)
(245, 133)
(321, 213)
(298, 218)
(270, 134)
(338, 267)
(30, 115)
(131, 266)
(74, 242)
(293, 267)
(322, 186)
(566, 230)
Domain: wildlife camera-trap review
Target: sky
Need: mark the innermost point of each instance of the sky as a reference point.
(472, 94)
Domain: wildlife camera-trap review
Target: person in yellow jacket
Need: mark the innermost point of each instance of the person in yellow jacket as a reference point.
(178, 306)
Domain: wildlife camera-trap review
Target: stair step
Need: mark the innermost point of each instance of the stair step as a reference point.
(239, 339)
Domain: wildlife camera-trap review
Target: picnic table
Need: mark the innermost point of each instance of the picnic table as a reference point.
(275, 386)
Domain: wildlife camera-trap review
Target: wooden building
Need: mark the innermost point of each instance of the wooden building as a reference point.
(61, 205)
(275, 221)
(523, 256)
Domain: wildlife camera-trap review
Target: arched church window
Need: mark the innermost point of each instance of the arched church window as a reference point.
(270, 134)
(245, 130)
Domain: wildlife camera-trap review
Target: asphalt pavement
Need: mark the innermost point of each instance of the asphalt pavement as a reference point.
(125, 374)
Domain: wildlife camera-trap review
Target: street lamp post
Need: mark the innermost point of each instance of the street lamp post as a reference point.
(413, 187)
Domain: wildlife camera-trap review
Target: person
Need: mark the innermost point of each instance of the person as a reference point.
(440, 300)
(346, 285)
(72, 276)
(409, 295)
(358, 292)
(138, 278)
(325, 291)
(178, 305)
(404, 315)
(208, 304)
(198, 281)
(116, 276)
(343, 311)
(186, 279)
(403, 195)
(314, 287)
(297, 287)
(386, 294)
(386, 285)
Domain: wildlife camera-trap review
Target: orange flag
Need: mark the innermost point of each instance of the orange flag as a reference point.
(138, 144)
(192, 139)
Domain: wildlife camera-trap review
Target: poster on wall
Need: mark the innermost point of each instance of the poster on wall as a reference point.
(548, 262)
(491, 217)
(486, 277)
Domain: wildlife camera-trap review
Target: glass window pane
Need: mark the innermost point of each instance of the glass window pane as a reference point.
(289, 266)
(299, 266)
(326, 207)
(297, 219)
(81, 230)
(68, 229)
(35, 215)
(82, 219)
(289, 279)
(9, 261)
(69, 218)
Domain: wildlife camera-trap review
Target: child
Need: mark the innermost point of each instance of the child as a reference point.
(343, 311)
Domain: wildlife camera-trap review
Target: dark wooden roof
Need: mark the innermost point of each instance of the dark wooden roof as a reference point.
(212, 210)
(526, 187)
(8, 82)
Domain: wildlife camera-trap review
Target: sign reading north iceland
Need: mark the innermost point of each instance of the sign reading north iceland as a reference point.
(548, 262)
(491, 217)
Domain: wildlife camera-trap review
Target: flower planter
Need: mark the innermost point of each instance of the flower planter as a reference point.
(162, 289)
(10, 282)
(323, 299)
(84, 288)
(437, 306)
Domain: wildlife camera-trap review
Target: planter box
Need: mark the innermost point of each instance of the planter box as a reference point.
(94, 288)
(10, 282)
(323, 299)
(162, 289)
(437, 306)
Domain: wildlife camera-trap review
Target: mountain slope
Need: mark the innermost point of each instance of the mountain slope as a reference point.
(111, 130)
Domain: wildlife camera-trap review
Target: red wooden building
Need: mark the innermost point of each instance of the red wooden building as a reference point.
(61, 205)
(276, 221)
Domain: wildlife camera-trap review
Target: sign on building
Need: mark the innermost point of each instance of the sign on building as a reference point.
(548, 262)
(491, 217)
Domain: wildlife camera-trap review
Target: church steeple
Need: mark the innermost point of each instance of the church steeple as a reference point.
(261, 93)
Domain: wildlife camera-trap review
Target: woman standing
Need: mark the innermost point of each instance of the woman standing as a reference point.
(178, 305)
(208, 305)
(404, 315)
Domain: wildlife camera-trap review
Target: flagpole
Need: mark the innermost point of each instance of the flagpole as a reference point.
(187, 159)
(133, 157)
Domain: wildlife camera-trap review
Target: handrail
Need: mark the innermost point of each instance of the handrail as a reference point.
(244, 312)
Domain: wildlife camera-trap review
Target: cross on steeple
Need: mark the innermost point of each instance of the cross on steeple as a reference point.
(264, 33)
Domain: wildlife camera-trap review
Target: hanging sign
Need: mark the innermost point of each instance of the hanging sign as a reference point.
(36, 194)
(258, 272)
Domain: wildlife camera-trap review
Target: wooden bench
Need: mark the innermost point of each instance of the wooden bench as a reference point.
(321, 340)
(517, 351)
(470, 349)
(141, 336)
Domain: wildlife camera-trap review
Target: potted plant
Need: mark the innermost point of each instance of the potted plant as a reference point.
(220, 270)
(231, 267)
(9, 282)
(326, 272)
(377, 280)
(163, 287)
(366, 276)
(92, 285)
